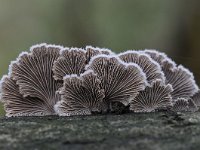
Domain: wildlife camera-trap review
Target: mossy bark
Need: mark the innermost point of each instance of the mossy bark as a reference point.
(129, 131)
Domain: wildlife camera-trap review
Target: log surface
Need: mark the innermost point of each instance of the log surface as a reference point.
(152, 131)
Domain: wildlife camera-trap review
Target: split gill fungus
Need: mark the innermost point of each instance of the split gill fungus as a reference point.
(55, 80)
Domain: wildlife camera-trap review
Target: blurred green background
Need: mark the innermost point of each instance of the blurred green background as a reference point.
(172, 26)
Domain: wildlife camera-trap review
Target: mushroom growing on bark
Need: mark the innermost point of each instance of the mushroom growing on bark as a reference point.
(120, 81)
(32, 74)
(52, 80)
(150, 67)
(17, 105)
(155, 97)
(93, 51)
(181, 79)
(70, 61)
(184, 105)
(80, 95)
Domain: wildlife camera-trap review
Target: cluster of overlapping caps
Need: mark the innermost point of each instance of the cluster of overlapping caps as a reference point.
(53, 80)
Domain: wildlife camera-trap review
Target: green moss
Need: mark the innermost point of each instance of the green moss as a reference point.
(130, 131)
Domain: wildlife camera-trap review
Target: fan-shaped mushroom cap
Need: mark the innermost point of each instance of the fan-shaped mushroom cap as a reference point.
(182, 81)
(121, 81)
(184, 105)
(33, 73)
(180, 105)
(150, 67)
(80, 95)
(17, 105)
(155, 96)
(93, 51)
(159, 56)
(196, 98)
(163, 60)
(70, 61)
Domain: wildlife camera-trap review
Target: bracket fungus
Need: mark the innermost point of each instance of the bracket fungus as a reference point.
(120, 81)
(80, 95)
(70, 61)
(150, 67)
(54, 80)
(181, 79)
(32, 75)
(180, 105)
(184, 105)
(155, 97)
(17, 105)
(93, 51)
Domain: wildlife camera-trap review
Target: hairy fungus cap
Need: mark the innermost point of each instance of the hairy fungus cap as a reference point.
(80, 95)
(33, 74)
(184, 105)
(150, 67)
(121, 81)
(70, 61)
(180, 105)
(161, 58)
(93, 51)
(182, 81)
(155, 96)
(17, 105)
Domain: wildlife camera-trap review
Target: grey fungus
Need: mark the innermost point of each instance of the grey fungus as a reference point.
(182, 81)
(180, 105)
(80, 95)
(162, 59)
(159, 57)
(184, 105)
(120, 81)
(33, 74)
(17, 105)
(150, 67)
(70, 61)
(155, 97)
(155, 55)
(94, 51)
(53, 80)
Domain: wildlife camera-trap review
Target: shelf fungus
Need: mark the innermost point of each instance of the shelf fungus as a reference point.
(155, 97)
(150, 67)
(55, 80)
(181, 79)
(17, 105)
(70, 61)
(32, 74)
(120, 81)
(184, 105)
(93, 51)
(80, 95)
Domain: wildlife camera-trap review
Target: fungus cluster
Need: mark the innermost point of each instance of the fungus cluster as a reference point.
(54, 80)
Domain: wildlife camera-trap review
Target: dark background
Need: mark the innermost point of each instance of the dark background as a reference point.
(171, 26)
